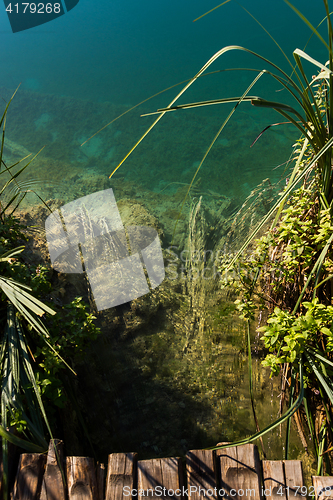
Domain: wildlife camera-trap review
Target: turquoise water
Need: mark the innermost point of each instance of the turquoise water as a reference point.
(123, 52)
(85, 69)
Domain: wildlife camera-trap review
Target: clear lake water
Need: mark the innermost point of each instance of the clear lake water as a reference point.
(95, 65)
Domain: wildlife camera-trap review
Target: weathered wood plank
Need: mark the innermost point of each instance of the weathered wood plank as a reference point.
(100, 477)
(53, 486)
(240, 472)
(121, 473)
(294, 479)
(323, 486)
(274, 480)
(201, 474)
(29, 476)
(249, 470)
(81, 478)
(160, 478)
(227, 469)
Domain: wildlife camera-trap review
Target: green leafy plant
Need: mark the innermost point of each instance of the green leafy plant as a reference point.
(71, 333)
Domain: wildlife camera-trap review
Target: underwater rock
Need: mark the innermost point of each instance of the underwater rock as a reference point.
(134, 213)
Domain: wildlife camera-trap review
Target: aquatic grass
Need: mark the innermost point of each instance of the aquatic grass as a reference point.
(146, 100)
(298, 92)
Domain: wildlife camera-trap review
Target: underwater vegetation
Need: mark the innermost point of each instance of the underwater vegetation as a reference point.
(150, 397)
(289, 269)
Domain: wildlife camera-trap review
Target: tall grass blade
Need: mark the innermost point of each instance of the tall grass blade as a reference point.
(324, 382)
(316, 266)
(283, 197)
(291, 398)
(211, 10)
(310, 425)
(20, 443)
(200, 72)
(31, 377)
(305, 56)
(10, 254)
(212, 144)
(249, 355)
(307, 22)
(321, 444)
(320, 356)
(26, 298)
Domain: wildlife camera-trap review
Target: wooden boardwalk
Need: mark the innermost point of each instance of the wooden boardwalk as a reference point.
(234, 473)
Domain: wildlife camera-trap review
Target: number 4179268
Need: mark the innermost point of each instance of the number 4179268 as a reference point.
(33, 8)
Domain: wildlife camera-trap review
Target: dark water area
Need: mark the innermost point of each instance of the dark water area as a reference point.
(91, 66)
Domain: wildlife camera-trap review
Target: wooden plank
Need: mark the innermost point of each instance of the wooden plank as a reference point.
(160, 478)
(81, 478)
(100, 477)
(274, 480)
(121, 473)
(323, 487)
(240, 472)
(249, 470)
(201, 477)
(227, 469)
(29, 476)
(53, 481)
(294, 479)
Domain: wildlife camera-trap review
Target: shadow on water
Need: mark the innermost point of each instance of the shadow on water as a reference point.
(153, 387)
